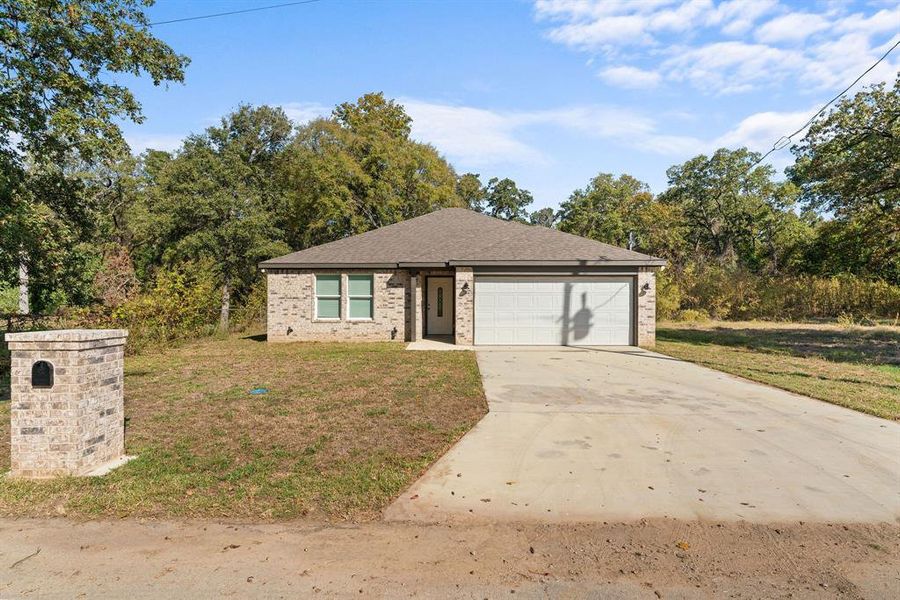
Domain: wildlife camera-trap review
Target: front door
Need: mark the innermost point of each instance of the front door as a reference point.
(439, 306)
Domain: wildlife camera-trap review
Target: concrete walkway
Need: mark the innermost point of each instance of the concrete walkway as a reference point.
(622, 433)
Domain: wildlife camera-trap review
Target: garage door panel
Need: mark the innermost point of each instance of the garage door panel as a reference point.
(553, 311)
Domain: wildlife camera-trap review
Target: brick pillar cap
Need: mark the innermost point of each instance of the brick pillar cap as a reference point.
(67, 335)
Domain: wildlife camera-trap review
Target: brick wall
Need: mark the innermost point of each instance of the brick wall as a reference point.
(291, 305)
(646, 307)
(465, 306)
(78, 424)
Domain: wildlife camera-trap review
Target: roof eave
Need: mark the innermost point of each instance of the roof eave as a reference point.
(310, 265)
(647, 262)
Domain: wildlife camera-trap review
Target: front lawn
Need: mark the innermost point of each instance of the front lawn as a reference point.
(343, 429)
(856, 367)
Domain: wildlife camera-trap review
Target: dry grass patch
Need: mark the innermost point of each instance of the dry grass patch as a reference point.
(856, 367)
(341, 431)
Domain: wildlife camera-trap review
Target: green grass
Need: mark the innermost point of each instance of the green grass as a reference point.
(856, 367)
(343, 429)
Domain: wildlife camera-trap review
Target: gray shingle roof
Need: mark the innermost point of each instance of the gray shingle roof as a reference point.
(457, 236)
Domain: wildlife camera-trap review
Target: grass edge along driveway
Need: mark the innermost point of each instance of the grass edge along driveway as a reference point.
(343, 429)
(856, 367)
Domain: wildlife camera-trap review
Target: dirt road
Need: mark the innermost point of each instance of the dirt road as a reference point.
(649, 559)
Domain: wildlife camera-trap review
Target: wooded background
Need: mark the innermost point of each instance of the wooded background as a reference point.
(167, 244)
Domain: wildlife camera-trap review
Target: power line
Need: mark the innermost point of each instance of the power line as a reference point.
(233, 12)
(784, 140)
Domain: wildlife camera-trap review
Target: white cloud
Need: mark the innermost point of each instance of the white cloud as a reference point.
(587, 25)
(302, 112)
(623, 29)
(838, 62)
(792, 27)
(630, 77)
(884, 21)
(167, 142)
(730, 67)
(471, 136)
(738, 16)
(761, 130)
(725, 47)
(477, 137)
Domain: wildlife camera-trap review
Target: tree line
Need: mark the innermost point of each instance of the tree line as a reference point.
(169, 237)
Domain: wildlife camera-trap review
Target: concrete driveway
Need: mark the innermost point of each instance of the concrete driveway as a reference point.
(623, 433)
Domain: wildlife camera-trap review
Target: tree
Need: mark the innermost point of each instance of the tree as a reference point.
(848, 168)
(728, 204)
(503, 199)
(45, 218)
(59, 103)
(471, 191)
(359, 170)
(622, 211)
(215, 202)
(848, 159)
(545, 217)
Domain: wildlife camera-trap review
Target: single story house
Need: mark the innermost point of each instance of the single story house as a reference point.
(464, 277)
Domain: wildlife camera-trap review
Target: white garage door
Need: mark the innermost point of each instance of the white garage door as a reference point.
(554, 311)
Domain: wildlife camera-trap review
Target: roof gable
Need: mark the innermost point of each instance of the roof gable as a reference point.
(458, 236)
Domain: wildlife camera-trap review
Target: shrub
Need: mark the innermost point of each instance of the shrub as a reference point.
(250, 313)
(9, 299)
(725, 293)
(668, 294)
(690, 315)
(183, 302)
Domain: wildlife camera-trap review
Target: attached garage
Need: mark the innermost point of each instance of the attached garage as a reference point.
(462, 276)
(553, 311)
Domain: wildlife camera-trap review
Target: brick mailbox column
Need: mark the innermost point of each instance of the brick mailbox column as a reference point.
(67, 411)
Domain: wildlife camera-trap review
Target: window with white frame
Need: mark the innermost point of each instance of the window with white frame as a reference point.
(359, 297)
(328, 296)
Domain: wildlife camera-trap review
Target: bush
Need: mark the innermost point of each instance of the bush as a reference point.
(9, 299)
(668, 295)
(250, 313)
(691, 315)
(724, 293)
(183, 302)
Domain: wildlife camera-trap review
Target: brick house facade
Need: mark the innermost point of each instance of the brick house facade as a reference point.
(617, 287)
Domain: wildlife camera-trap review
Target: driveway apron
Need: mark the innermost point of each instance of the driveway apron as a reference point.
(602, 434)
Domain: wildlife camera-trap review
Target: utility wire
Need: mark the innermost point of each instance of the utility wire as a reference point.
(786, 139)
(233, 12)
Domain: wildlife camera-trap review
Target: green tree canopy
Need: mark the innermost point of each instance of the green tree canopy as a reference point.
(216, 201)
(848, 167)
(505, 200)
(60, 104)
(471, 191)
(731, 207)
(849, 159)
(359, 170)
(545, 217)
(622, 211)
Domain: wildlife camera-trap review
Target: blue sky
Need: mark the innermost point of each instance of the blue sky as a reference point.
(549, 93)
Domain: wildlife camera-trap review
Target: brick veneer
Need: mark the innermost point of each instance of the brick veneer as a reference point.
(79, 423)
(291, 306)
(465, 306)
(292, 302)
(646, 307)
